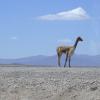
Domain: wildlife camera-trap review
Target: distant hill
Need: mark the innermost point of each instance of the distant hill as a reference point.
(77, 60)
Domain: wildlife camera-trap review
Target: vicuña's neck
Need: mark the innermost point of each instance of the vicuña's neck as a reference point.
(75, 45)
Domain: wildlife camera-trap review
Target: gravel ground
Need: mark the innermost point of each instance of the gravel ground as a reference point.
(27, 83)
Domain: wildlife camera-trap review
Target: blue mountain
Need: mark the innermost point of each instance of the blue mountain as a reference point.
(77, 60)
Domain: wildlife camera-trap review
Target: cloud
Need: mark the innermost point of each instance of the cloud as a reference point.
(14, 38)
(74, 14)
(64, 42)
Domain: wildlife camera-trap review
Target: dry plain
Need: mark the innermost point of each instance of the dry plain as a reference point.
(22, 82)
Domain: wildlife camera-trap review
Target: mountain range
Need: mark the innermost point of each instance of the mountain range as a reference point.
(41, 60)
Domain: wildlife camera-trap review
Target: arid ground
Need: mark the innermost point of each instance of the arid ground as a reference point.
(31, 83)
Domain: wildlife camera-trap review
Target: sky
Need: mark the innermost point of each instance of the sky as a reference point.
(38, 27)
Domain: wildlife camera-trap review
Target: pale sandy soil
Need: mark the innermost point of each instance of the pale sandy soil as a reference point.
(22, 83)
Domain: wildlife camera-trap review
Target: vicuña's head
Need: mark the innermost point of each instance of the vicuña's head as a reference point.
(79, 39)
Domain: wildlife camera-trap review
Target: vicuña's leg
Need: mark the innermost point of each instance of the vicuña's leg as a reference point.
(66, 60)
(69, 61)
(59, 57)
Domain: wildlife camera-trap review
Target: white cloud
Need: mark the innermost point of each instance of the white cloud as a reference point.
(65, 42)
(14, 38)
(74, 14)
